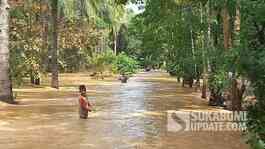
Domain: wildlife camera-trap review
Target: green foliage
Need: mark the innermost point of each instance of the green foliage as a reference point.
(173, 69)
(186, 35)
(125, 64)
(103, 62)
(72, 60)
(168, 39)
(18, 65)
(255, 124)
(107, 61)
(25, 43)
(84, 22)
(189, 36)
(219, 81)
(253, 56)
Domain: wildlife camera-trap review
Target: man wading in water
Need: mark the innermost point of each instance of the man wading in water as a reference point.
(84, 105)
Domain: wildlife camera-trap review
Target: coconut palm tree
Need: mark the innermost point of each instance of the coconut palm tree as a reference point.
(70, 8)
(5, 81)
(116, 17)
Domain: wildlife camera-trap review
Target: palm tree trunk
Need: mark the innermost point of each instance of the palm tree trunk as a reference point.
(45, 30)
(237, 24)
(206, 62)
(238, 86)
(5, 79)
(226, 27)
(204, 83)
(54, 41)
(115, 42)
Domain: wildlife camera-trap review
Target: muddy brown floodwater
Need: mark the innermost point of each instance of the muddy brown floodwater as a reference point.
(127, 116)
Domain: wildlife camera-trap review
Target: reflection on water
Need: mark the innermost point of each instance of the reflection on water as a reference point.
(128, 116)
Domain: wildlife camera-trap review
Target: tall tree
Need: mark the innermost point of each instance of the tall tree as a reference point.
(54, 45)
(238, 86)
(44, 5)
(205, 73)
(85, 8)
(5, 80)
(226, 25)
(116, 17)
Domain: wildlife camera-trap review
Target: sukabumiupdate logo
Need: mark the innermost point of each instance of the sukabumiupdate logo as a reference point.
(206, 121)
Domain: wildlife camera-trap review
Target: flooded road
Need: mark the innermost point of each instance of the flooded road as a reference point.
(127, 116)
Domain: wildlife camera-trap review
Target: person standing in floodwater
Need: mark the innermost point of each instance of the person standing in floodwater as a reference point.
(84, 105)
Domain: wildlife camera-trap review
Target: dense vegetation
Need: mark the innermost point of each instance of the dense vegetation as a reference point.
(64, 36)
(221, 42)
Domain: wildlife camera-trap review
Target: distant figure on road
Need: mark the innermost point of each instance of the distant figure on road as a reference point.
(123, 78)
(84, 105)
